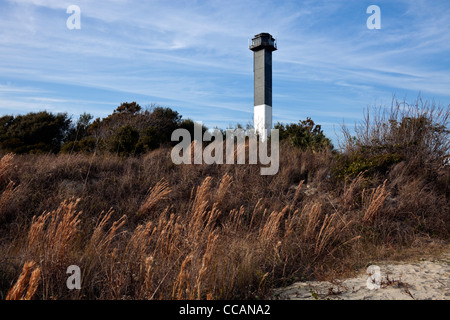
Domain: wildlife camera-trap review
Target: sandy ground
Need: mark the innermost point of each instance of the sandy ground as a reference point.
(419, 280)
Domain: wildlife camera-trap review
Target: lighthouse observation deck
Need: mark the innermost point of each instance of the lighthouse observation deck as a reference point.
(263, 41)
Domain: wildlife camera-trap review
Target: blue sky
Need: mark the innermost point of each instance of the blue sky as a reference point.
(193, 56)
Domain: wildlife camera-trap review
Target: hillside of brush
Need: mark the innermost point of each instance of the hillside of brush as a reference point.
(140, 227)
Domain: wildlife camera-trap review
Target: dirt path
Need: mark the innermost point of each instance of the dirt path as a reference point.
(421, 280)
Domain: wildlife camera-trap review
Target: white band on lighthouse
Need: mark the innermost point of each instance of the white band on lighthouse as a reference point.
(263, 120)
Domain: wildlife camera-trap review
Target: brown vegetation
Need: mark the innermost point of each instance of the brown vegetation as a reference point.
(144, 228)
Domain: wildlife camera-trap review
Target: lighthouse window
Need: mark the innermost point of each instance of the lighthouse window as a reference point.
(257, 42)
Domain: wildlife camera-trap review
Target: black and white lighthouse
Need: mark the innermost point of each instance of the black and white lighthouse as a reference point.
(263, 45)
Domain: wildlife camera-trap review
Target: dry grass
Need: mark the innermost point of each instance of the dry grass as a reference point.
(26, 285)
(351, 191)
(9, 192)
(52, 235)
(142, 228)
(5, 165)
(7, 197)
(375, 201)
(159, 192)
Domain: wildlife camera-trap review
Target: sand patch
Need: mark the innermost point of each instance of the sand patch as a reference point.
(421, 280)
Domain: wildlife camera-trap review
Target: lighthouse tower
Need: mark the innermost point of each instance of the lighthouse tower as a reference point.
(263, 45)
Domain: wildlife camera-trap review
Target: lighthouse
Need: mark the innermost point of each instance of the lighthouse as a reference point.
(263, 45)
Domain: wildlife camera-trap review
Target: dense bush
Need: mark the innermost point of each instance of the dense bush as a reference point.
(85, 145)
(124, 141)
(304, 135)
(129, 130)
(416, 133)
(40, 132)
(366, 159)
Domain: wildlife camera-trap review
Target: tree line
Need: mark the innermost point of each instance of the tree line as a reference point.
(129, 130)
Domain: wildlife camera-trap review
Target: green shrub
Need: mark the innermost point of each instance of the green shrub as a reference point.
(362, 160)
(131, 130)
(304, 135)
(85, 145)
(40, 132)
(124, 141)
